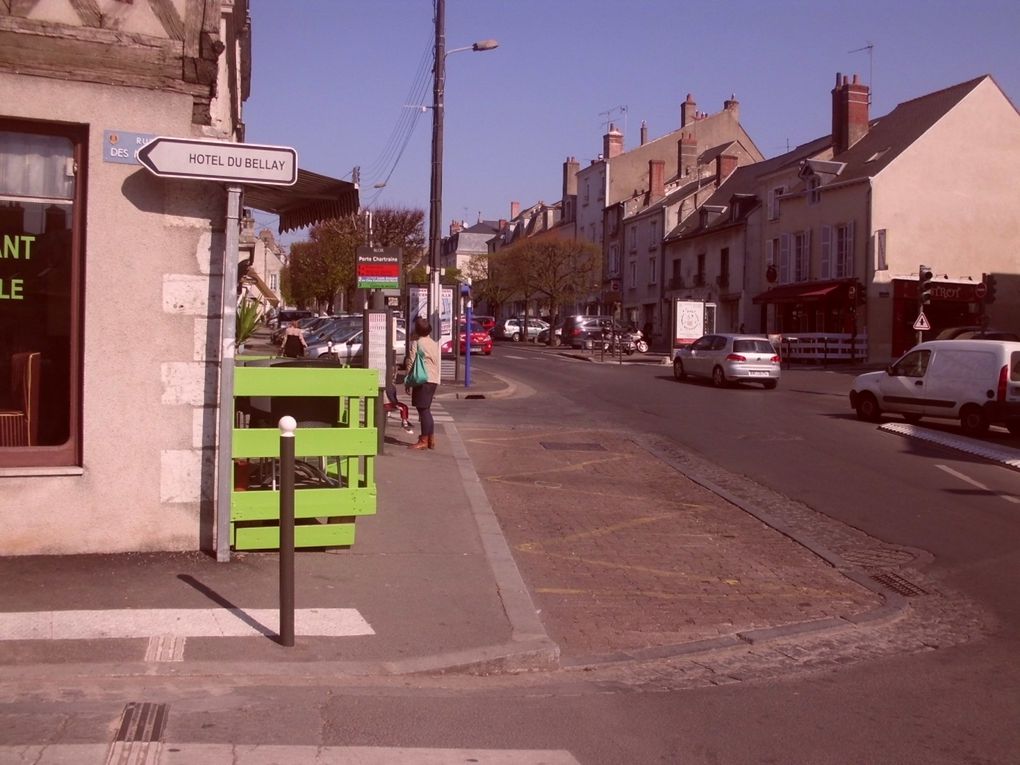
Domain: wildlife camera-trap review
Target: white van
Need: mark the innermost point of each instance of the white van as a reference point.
(975, 381)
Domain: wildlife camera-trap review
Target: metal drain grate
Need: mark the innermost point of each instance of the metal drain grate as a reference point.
(139, 739)
(897, 583)
(571, 447)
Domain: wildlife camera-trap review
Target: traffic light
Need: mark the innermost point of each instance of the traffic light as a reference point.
(989, 288)
(924, 277)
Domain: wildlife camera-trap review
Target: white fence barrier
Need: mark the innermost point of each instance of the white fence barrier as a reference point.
(821, 347)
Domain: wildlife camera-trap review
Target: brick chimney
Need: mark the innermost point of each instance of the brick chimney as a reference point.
(570, 170)
(515, 210)
(456, 227)
(612, 143)
(503, 225)
(732, 105)
(687, 155)
(644, 132)
(656, 180)
(725, 164)
(849, 112)
(688, 111)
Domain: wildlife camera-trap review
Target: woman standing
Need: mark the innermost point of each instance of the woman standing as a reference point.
(421, 395)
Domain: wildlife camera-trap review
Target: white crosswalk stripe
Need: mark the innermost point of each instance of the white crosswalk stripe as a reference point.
(173, 753)
(189, 622)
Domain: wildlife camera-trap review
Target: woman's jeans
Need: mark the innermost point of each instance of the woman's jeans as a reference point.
(421, 399)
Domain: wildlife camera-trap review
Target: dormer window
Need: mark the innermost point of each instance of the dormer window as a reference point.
(774, 196)
(814, 185)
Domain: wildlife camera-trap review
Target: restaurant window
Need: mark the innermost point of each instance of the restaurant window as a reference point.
(40, 277)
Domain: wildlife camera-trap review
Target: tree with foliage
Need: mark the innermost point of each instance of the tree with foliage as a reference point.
(322, 268)
(556, 270)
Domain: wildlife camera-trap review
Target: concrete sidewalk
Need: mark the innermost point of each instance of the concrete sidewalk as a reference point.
(429, 585)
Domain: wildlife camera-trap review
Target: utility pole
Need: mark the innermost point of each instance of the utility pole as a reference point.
(436, 200)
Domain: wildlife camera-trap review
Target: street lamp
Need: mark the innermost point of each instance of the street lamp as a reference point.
(436, 200)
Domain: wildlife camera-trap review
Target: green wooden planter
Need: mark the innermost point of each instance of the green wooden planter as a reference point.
(345, 451)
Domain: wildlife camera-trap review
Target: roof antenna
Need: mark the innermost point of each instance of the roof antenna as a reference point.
(608, 113)
(870, 48)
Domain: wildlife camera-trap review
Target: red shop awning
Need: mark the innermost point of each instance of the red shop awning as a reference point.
(802, 292)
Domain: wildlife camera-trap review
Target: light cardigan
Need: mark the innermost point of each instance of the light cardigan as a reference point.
(431, 350)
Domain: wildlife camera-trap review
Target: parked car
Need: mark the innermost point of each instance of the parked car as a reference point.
(512, 329)
(975, 381)
(347, 348)
(481, 341)
(726, 359)
(488, 322)
(543, 336)
(586, 331)
(976, 333)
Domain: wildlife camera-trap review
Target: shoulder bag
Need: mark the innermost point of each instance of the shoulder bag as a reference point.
(417, 375)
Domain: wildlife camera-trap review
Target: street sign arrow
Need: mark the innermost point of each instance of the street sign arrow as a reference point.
(219, 161)
(921, 324)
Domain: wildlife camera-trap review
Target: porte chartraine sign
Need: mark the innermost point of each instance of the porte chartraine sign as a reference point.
(378, 268)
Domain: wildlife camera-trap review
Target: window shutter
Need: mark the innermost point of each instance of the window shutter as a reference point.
(826, 252)
(784, 258)
(850, 250)
(770, 252)
(808, 270)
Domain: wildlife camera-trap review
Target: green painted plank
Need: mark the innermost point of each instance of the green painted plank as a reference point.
(268, 537)
(305, 381)
(310, 442)
(308, 503)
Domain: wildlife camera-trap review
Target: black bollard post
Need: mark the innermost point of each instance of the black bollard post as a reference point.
(287, 428)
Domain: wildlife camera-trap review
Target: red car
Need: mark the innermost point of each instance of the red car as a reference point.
(481, 341)
(488, 322)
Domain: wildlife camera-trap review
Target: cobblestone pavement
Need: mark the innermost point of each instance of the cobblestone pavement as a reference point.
(624, 552)
(636, 551)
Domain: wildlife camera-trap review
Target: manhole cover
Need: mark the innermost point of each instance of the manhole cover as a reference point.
(572, 447)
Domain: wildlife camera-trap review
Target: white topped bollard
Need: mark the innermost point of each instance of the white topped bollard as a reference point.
(287, 427)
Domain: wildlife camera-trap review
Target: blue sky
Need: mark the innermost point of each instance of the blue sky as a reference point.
(338, 80)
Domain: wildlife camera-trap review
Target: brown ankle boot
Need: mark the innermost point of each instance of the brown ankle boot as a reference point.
(432, 442)
(422, 443)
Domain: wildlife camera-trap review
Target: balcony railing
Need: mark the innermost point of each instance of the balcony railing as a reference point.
(699, 280)
(676, 283)
(723, 280)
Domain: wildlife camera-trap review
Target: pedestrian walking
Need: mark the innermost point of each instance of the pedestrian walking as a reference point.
(422, 391)
(294, 344)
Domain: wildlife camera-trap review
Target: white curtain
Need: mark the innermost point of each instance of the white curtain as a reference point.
(34, 165)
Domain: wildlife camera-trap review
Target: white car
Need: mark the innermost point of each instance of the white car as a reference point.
(726, 359)
(975, 381)
(511, 329)
(347, 348)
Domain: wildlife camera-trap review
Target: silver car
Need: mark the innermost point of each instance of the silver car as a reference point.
(725, 359)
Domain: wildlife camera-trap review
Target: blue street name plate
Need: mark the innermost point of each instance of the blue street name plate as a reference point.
(122, 146)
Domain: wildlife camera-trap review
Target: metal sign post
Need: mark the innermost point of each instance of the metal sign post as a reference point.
(169, 157)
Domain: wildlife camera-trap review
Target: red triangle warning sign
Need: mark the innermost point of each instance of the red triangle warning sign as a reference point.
(922, 324)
